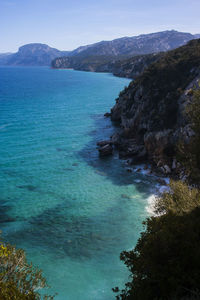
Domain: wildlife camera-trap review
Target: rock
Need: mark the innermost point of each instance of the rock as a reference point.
(139, 170)
(161, 181)
(159, 163)
(107, 114)
(103, 143)
(174, 164)
(106, 150)
(166, 169)
(141, 157)
(115, 139)
(129, 170)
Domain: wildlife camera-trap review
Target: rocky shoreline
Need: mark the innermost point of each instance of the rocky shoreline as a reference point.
(151, 112)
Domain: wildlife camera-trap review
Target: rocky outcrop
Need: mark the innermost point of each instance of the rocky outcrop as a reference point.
(151, 111)
(105, 148)
(122, 67)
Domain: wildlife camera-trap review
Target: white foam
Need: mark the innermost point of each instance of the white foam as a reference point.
(150, 208)
(151, 200)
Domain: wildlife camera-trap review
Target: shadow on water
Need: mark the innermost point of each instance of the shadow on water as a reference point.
(82, 237)
(111, 167)
(4, 212)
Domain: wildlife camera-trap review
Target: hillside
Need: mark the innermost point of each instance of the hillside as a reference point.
(136, 45)
(125, 57)
(32, 55)
(151, 110)
(120, 66)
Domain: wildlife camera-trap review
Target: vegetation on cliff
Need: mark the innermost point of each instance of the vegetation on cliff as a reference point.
(165, 262)
(151, 110)
(188, 153)
(121, 66)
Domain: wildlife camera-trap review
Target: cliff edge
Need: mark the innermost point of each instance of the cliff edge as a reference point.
(151, 110)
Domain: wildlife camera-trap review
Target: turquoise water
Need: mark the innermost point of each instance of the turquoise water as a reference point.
(71, 211)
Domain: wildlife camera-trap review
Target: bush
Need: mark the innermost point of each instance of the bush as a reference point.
(165, 262)
(181, 199)
(18, 278)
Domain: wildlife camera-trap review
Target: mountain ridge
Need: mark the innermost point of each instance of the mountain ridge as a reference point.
(37, 54)
(33, 54)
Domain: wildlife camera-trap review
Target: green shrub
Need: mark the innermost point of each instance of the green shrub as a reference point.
(181, 199)
(165, 262)
(18, 278)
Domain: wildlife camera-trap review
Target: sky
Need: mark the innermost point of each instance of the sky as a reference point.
(68, 24)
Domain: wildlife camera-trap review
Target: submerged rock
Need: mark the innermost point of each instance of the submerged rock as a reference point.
(107, 114)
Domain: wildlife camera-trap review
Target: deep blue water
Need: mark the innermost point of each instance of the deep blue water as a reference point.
(71, 211)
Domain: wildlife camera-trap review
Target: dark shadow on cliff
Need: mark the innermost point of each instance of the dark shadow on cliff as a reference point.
(112, 167)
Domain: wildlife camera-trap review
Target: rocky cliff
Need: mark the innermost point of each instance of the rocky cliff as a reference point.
(120, 66)
(151, 111)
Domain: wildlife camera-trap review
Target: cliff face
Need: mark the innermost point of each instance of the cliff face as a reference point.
(120, 66)
(151, 109)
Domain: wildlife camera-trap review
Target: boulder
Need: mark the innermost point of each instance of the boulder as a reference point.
(104, 143)
(107, 115)
(105, 150)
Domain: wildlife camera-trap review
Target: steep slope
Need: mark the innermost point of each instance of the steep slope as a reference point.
(151, 109)
(119, 66)
(33, 55)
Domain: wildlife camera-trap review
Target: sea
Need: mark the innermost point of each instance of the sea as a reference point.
(70, 210)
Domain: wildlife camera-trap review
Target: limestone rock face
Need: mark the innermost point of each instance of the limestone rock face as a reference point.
(151, 111)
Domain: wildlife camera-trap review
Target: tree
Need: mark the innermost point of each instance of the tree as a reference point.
(18, 278)
(165, 262)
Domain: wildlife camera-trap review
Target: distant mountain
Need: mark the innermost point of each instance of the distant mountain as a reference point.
(32, 55)
(4, 58)
(136, 45)
(41, 55)
(126, 57)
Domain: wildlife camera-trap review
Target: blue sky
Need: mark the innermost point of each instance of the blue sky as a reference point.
(65, 24)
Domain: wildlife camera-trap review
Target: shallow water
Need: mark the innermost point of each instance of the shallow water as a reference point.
(71, 211)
